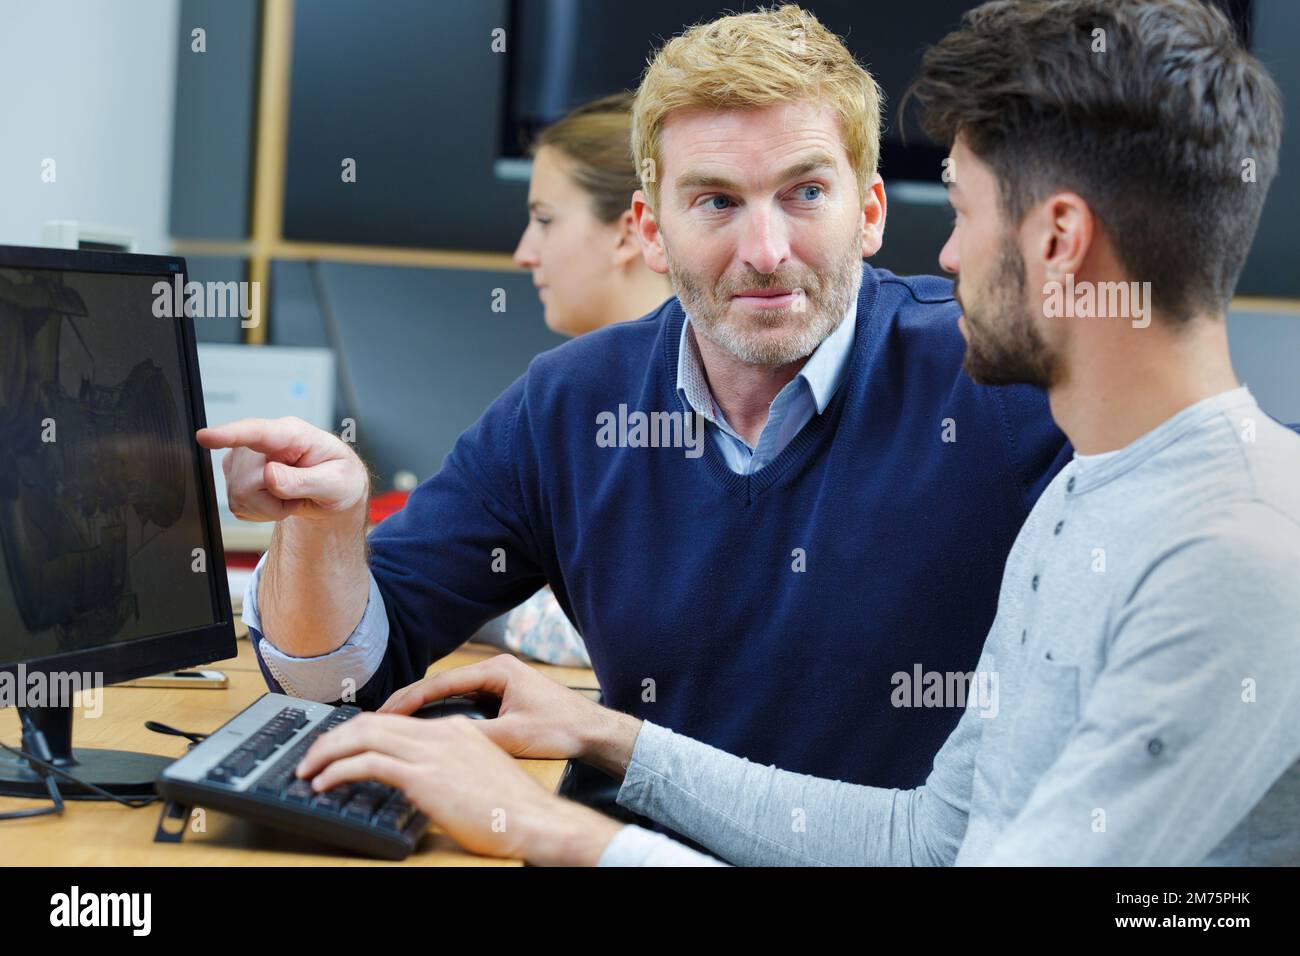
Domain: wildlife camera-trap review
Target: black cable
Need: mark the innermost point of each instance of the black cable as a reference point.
(135, 803)
(33, 732)
(160, 728)
(47, 771)
(55, 797)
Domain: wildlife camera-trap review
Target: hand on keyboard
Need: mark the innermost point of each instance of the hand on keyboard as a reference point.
(538, 717)
(246, 768)
(462, 781)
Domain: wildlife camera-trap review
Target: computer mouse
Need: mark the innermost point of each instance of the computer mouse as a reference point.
(478, 707)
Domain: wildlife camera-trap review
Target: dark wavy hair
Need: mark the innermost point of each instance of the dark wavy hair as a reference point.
(1170, 135)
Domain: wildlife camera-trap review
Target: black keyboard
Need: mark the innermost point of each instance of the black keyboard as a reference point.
(246, 768)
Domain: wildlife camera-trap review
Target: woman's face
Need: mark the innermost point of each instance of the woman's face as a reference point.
(568, 250)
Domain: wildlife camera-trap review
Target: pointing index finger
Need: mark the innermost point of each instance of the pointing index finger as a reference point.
(268, 436)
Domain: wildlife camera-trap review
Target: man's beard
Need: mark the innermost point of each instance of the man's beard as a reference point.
(770, 337)
(1004, 346)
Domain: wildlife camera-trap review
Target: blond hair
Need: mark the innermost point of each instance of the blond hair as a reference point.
(750, 61)
(594, 138)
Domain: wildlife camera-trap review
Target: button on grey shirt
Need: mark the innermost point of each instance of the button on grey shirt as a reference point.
(1137, 701)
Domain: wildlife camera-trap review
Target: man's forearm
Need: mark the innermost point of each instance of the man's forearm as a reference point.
(315, 583)
(609, 742)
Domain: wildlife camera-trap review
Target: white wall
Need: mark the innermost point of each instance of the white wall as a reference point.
(90, 84)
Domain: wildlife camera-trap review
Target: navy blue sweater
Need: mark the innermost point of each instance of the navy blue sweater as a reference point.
(681, 575)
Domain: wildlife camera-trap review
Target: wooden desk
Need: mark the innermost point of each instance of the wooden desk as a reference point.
(95, 833)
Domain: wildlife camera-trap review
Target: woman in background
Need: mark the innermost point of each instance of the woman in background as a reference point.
(580, 244)
(586, 263)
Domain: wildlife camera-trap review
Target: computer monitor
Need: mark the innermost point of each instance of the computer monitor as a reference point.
(111, 560)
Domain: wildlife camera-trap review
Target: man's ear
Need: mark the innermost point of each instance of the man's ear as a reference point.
(646, 228)
(873, 217)
(1063, 230)
(626, 247)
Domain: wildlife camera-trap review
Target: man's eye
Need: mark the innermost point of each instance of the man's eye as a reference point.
(803, 192)
(712, 203)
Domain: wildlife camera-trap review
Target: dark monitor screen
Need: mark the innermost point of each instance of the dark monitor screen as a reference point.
(106, 537)
(570, 52)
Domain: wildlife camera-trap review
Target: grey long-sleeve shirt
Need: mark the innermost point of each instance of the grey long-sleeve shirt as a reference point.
(1137, 701)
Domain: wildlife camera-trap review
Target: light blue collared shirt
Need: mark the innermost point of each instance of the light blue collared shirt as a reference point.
(808, 393)
(805, 395)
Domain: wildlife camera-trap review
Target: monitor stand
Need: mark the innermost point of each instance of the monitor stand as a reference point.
(122, 773)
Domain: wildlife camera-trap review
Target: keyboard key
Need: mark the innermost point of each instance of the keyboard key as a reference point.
(240, 762)
(396, 815)
(329, 800)
(261, 745)
(271, 783)
(359, 810)
(299, 791)
(279, 730)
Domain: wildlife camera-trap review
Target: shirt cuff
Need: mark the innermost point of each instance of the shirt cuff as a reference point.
(633, 846)
(338, 675)
(640, 775)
